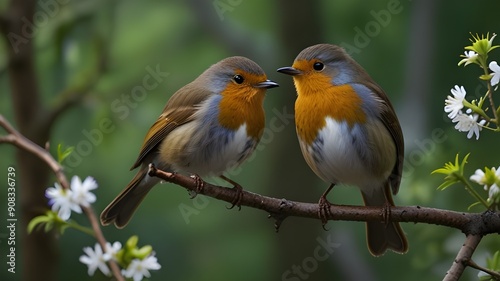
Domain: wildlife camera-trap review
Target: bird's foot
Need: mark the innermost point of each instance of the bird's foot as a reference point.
(324, 211)
(239, 193)
(200, 184)
(386, 212)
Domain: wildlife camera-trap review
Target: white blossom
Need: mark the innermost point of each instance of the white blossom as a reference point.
(63, 201)
(454, 104)
(494, 188)
(60, 200)
(94, 259)
(496, 73)
(112, 250)
(479, 177)
(469, 57)
(138, 269)
(81, 191)
(468, 123)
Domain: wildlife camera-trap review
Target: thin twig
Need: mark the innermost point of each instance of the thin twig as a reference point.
(17, 139)
(490, 96)
(495, 274)
(102, 241)
(463, 258)
(493, 108)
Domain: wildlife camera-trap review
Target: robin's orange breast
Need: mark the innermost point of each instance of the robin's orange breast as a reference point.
(318, 99)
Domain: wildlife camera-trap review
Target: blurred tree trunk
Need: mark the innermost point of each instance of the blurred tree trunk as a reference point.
(299, 27)
(39, 252)
(417, 88)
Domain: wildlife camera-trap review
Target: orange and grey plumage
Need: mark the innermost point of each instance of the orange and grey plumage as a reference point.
(207, 127)
(349, 133)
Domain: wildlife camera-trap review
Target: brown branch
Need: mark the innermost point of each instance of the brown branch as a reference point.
(469, 223)
(15, 138)
(474, 225)
(463, 257)
(23, 143)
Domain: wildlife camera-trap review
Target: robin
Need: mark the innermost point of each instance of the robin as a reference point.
(349, 133)
(207, 127)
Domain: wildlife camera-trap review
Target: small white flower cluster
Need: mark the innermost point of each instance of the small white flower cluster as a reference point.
(64, 201)
(490, 180)
(96, 258)
(137, 269)
(466, 122)
(476, 54)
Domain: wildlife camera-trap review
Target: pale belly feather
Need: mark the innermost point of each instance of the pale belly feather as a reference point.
(351, 155)
(209, 151)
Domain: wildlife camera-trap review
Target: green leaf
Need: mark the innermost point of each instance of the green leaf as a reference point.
(494, 47)
(446, 184)
(143, 252)
(50, 221)
(454, 172)
(462, 165)
(444, 170)
(493, 264)
(481, 102)
(36, 222)
(63, 154)
(490, 176)
(485, 77)
(48, 226)
(131, 251)
(473, 205)
(482, 45)
(132, 242)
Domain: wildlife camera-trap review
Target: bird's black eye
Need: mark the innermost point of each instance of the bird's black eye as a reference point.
(318, 66)
(238, 79)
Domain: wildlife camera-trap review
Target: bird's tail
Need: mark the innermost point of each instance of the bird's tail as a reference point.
(121, 209)
(380, 235)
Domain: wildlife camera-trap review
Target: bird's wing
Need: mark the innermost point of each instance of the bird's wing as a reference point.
(390, 121)
(179, 110)
(392, 124)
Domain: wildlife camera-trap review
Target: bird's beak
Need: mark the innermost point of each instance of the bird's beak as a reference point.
(268, 84)
(289, 70)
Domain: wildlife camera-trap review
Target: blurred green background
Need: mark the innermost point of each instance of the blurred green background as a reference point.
(411, 48)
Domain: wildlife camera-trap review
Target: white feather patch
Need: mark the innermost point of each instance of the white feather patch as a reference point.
(361, 156)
